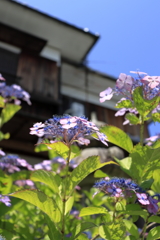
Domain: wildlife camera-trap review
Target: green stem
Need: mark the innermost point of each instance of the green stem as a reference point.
(64, 197)
(142, 131)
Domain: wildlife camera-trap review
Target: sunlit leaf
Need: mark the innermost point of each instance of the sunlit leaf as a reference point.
(154, 233)
(124, 104)
(133, 119)
(92, 210)
(40, 200)
(86, 167)
(118, 137)
(49, 178)
(144, 106)
(8, 112)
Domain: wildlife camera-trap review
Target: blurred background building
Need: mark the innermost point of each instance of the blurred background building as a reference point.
(46, 57)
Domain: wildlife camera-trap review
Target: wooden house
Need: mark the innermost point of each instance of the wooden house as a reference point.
(46, 56)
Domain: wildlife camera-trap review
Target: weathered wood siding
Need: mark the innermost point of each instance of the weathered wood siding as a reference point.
(39, 76)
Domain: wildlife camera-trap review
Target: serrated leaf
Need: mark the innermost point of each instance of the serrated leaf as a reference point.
(40, 200)
(114, 231)
(48, 178)
(132, 118)
(144, 106)
(92, 210)
(154, 233)
(86, 167)
(124, 104)
(118, 137)
(8, 112)
(141, 163)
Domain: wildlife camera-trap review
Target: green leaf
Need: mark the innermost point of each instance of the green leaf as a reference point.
(81, 227)
(8, 112)
(86, 167)
(155, 219)
(154, 233)
(141, 163)
(2, 102)
(114, 231)
(124, 104)
(156, 144)
(49, 178)
(62, 149)
(130, 238)
(156, 184)
(118, 137)
(53, 231)
(40, 200)
(147, 184)
(4, 136)
(132, 118)
(144, 106)
(131, 227)
(5, 183)
(92, 210)
(100, 174)
(135, 209)
(83, 236)
(156, 117)
(69, 204)
(41, 148)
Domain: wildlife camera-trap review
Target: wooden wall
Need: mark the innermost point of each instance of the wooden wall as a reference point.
(39, 76)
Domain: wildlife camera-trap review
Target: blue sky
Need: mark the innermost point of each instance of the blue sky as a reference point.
(129, 30)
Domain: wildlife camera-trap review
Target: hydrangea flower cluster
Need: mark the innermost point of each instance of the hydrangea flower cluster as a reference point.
(68, 129)
(125, 86)
(47, 164)
(14, 93)
(121, 187)
(23, 183)
(11, 163)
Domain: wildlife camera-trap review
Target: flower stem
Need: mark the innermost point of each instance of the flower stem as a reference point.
(64, 197)
(142, 131)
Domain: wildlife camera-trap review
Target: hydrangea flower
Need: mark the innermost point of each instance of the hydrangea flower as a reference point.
(12, 163)
(5, 199)
(121, 187)
(125, 86)
(14, 93)
(68, 129)
(22, 183)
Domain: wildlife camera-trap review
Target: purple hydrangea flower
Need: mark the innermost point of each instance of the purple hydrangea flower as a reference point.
(22, 183)
(125, 86)
(117, 187)
(5, 199)
(68, 129)
(14, 93)
(106, 94)
(152, 207)
(12, 163)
